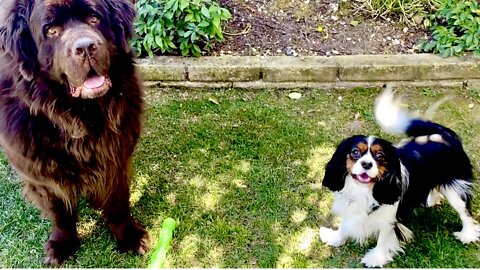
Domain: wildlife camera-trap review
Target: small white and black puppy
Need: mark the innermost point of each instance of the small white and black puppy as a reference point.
(377, 185)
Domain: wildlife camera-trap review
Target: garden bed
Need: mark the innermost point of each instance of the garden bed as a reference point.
(315, 27)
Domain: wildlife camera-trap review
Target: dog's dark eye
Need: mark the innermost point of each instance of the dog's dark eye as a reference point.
(355, 154)
(52, 31)
(93, 20)
(379, 156)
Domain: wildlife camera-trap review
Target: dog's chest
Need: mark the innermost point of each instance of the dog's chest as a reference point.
(354, 200)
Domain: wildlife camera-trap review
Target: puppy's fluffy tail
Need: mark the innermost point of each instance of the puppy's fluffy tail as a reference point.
(390, 115)
(395, 119)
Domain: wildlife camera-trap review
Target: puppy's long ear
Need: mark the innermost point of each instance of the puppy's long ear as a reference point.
(17, 41)
(122, 15)
(389, 189)
(336, 168)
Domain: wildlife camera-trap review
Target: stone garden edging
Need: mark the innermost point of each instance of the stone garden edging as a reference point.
(256, 72)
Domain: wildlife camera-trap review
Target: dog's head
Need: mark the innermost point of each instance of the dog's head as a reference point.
(71, 42)
(367, 161)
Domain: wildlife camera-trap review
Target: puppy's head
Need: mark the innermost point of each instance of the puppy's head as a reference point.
(367, 161)
(71, 42)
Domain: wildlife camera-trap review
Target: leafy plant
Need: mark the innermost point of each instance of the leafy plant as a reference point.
(455, 29)
(191, 26)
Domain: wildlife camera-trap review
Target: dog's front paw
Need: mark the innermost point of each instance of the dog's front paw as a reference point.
(131, 236)
(58, 249)
(331, 237)
(376, 258)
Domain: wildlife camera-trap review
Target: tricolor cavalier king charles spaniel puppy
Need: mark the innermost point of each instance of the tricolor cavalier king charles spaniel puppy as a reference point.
(377, 185)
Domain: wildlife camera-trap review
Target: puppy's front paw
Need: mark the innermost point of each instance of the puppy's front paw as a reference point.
(469, 235)
(376, 258)
(331, 237)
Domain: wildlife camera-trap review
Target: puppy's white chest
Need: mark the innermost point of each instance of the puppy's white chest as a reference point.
(354, 200)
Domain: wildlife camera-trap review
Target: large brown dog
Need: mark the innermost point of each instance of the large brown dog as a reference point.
(70, 112)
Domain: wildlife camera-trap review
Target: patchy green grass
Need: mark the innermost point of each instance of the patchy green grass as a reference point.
(241, 173)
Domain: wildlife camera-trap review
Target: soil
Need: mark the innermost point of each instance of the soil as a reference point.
(311, 27)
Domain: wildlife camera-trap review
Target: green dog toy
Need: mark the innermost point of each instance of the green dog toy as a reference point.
(160, 253)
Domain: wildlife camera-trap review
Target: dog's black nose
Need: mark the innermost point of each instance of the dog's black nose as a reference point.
(84, 46)
(366, 165)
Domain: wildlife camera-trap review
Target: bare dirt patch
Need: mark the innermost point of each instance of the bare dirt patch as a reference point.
(311, 27)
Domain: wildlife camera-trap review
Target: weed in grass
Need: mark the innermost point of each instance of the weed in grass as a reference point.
(475, 94)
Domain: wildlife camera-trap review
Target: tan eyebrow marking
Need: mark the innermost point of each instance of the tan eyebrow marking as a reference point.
(362, 147)
(376, 148)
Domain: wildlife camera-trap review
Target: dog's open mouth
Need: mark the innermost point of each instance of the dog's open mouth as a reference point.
(94, 86)
(362, 178)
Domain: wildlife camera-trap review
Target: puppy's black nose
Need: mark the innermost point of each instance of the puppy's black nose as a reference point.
(366, 165)
(84, 46)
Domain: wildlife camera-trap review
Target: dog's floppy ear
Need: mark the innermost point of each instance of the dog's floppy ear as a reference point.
(17, 41)
(122, 15)
(336, 168)
(389, 189)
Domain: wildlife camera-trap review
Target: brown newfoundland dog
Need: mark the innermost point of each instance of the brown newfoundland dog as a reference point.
(70, 112)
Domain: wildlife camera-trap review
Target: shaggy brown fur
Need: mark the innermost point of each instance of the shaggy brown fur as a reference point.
(70, 112)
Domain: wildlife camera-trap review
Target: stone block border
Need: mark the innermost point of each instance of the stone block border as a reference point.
(255, 72)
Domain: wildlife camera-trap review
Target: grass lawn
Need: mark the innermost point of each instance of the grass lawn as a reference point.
(241, 173)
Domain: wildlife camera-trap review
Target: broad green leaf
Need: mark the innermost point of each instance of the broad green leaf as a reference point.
(171, 44)
(203, 24)
(193, 36)
(196, 50)
(214, 10)
(216, 22)
(169, 15)
(159, 41)
(226, 15)
(183, 4)
(205, 12)
(169, 4)
(190, 18)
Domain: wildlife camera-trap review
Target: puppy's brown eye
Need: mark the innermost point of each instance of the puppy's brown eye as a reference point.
(93, 20)
(355, 154)
(379, 156)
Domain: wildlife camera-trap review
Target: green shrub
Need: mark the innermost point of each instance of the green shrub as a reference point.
(405, 10)
(455, 29)
(190, 26)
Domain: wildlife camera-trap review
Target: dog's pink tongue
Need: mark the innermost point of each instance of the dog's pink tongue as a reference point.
(364, 178)
(94, 82)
